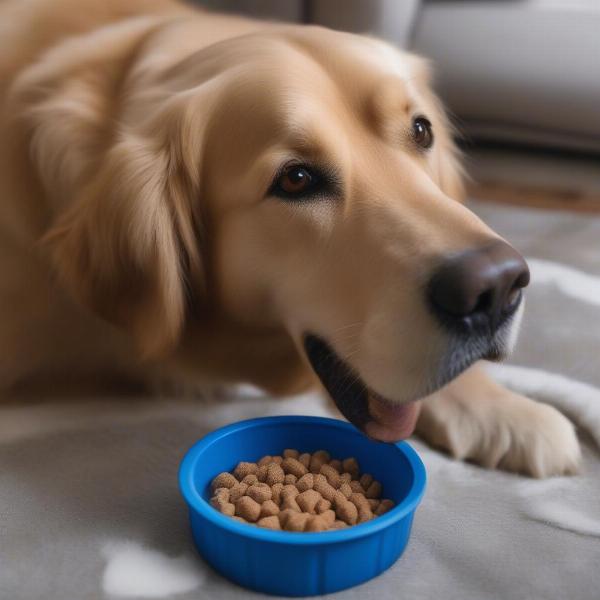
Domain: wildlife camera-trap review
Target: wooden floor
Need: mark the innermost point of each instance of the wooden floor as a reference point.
(545, 180)
(571, 200)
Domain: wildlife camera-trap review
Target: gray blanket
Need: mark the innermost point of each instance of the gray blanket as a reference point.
(89, 505)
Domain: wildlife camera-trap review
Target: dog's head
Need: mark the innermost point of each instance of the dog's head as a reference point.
(299, 181)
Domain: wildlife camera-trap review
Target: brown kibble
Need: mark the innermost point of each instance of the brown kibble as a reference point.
(333, 476)
(329, 517)
(269, 508)
(237, 491)
(223, 480)
(365, 515)
(317, 460)
(299, 492)
(336, 464)
(305, 459)
(384, 506)
(322, 486)
(365, 480)
(315, 523)
(347, 512)
(296, 521)
(305, 482)
(247, 508)
(289, 503)
(222, 493)
(261, 474)
(288, 491)
(338, 499)
(221, 501)
(356, 487)
(288, 497)
(293, 466)
(346, 489)
(228, 509)
(243, 469)
(360, 502)
(284, 515)
(259, 492)
(374, 490)
(250, 479)
(270, 522)
(307, 501)
(275, 474)
(322, 455)
(217, 502)
(350, 465)
(276, 491)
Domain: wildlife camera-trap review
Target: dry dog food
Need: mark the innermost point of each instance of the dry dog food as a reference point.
(299, 492)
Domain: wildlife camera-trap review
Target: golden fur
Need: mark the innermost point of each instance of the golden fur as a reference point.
(139, 138)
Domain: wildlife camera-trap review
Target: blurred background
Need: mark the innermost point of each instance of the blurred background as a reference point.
(521, 79)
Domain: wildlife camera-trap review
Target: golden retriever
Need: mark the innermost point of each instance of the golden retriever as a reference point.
(209, 199)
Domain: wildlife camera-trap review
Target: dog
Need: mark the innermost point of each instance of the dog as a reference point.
(208, 199)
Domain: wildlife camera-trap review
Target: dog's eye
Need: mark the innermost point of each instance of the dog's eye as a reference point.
(422, 132)
(295, 182)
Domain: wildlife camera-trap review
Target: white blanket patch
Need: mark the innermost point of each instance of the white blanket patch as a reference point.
(579, 401)
(571, 282)
(557, 514)
(134, 571)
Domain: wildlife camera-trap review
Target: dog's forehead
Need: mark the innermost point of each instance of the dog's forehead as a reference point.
(320, 69)
(310, 94)
(383, 82)
(343, 51)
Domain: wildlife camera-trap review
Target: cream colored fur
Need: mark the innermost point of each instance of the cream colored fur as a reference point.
(139, 247)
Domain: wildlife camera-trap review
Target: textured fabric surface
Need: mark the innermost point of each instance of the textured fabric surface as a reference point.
(89, 505)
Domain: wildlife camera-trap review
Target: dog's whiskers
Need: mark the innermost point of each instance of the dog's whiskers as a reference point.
(344, 327)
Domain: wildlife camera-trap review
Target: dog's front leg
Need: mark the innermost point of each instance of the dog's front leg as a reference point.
(474, 418)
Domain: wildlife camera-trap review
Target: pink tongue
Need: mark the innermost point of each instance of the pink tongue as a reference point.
(391, 423)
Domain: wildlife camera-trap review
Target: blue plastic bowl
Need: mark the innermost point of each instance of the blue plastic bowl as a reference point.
(300, 564)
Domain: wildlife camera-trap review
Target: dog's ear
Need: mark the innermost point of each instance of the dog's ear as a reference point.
(124, 234)
(126, 247)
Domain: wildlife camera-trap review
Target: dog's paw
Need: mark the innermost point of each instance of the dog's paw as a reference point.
(509, 432)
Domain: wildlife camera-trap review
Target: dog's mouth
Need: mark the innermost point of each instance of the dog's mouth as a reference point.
(376, 416)
(381, 418)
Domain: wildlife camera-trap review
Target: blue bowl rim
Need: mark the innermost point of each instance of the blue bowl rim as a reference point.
(199, 504)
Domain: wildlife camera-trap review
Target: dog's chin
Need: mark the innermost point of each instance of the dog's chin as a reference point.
(382, 418)
(376, 416)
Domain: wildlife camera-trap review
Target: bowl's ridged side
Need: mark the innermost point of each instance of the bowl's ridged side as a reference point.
(299, 570)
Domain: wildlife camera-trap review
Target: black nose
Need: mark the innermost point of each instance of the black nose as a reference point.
(480, 287)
